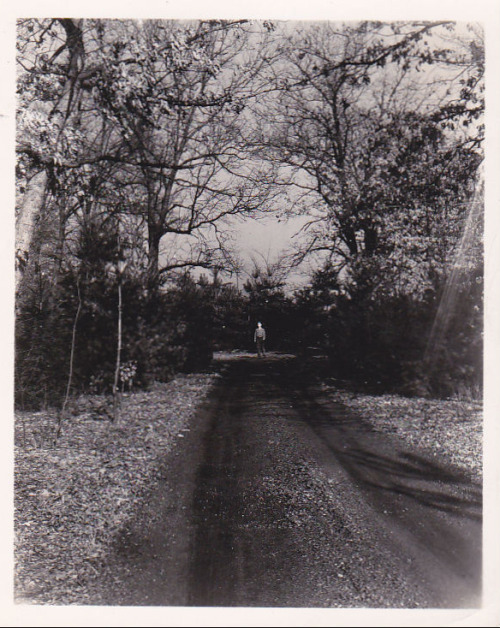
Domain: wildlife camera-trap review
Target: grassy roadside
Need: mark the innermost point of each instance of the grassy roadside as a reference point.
(72, 498)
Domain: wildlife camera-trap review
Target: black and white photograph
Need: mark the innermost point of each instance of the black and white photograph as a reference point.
(252, 281)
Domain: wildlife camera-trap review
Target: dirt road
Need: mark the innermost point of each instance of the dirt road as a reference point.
(276, 496)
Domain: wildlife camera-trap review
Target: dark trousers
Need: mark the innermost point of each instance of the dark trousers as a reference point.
(261, 349)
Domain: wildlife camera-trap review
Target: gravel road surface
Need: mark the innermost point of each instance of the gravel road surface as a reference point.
(275, 495)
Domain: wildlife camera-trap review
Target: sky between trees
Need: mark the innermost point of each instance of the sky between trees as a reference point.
(174, 132)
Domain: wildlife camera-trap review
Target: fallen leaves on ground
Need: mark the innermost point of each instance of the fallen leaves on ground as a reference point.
(451, 428)
(71, 498)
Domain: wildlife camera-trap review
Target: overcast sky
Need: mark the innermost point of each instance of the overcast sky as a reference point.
(266, 239)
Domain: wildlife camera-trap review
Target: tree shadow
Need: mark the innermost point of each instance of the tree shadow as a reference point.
(410, 475)
(380, 461)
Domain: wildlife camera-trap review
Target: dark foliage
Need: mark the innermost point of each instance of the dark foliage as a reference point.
(163, 333)
(397, 343)
(42, 330)
(231, 321)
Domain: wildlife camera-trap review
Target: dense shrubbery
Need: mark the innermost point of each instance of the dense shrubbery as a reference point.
(42, 331)
(162, 335)
(163, 332)
(386, 341)
(379, 340)
(393, 341)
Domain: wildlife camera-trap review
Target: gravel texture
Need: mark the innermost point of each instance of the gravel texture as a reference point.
(345, 562)
(72, 499)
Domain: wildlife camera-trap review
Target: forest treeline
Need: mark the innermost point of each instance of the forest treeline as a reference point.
(379, 343)
(139, 145)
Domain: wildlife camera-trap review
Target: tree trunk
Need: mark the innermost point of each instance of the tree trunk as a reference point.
(371, 240)
(154, 237)
(71, 363)
(34, 196)
(116, 389)
(33, 201)
(349, 237)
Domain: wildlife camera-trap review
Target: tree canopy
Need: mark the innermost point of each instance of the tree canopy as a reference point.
(146, 141)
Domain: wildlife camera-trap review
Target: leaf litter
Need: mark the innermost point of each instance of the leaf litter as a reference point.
(449, 428)
(71, 498)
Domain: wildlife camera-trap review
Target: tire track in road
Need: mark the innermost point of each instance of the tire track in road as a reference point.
(242, 539)
(277, 497)
(427, 518)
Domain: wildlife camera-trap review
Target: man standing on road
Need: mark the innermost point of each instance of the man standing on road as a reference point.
(259, 337)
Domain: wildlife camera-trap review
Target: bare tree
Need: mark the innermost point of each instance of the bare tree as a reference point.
(178, 130)
(362, 150)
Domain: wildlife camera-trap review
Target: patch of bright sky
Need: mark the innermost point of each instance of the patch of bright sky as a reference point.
(269, 238)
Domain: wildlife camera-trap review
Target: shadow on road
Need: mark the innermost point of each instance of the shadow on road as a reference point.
(423, 500)
(382, 461)
(223, 527)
